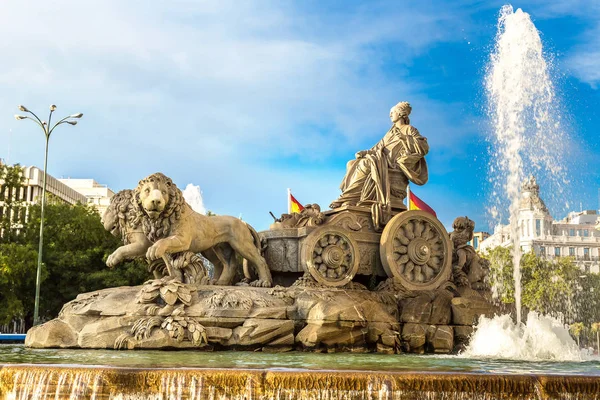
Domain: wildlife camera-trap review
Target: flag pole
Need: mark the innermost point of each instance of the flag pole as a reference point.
(408, 196)
(289, 200)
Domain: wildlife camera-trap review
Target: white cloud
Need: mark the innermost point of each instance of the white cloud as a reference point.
(210, 92)
(585, 58)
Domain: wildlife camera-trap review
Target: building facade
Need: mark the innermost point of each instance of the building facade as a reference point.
(33, 184)
(478, 238)
(96, 194)
(70, 191)
(574, 236)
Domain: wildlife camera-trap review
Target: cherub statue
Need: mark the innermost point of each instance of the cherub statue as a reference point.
(311, 215)
(468, 269)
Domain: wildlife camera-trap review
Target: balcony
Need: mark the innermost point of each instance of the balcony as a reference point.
(575, 258)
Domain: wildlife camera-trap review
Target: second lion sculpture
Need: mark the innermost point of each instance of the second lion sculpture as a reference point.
(169, 225)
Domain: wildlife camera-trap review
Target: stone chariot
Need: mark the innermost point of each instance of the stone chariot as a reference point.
(413, 247)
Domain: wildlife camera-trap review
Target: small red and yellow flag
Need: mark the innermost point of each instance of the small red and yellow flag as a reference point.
(294, 205)
(415, 203)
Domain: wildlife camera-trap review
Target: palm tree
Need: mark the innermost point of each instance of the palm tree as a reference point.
(596, 328)
(576, 330)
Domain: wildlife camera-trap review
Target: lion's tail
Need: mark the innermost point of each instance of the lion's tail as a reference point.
(258, 245)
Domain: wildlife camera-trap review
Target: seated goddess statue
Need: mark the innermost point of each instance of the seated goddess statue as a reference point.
(378, 177)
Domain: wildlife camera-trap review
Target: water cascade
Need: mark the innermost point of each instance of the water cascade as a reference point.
(541, 338)
(51, 382)
(523, 112)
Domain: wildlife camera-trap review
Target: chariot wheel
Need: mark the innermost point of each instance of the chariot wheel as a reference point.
(330, 255)
(416, 249)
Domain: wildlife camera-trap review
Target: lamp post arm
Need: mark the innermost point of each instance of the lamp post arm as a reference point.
(38, 120)
(49, 121)
(62, 121)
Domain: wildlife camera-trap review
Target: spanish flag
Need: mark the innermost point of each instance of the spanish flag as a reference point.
(294, 205)
(415, 203)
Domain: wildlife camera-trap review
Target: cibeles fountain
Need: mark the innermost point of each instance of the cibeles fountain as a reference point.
(343, 296)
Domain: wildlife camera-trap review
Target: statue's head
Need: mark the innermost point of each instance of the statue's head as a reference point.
(157, 194)
(463, 230)
(400, 112)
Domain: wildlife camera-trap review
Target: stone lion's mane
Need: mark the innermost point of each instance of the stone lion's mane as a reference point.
(122, 205)
(160, 227)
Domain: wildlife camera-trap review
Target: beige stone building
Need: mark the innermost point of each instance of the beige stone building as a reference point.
(70, 191)
(31, 191)
(97, 195)
(478, 237)
(574, 236)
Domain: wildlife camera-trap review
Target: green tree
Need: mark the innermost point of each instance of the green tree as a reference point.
(586, 301)
(550, 286)
(18, 264)
(596, 330)
(12, 202)
(75, 249)
(501, 274)
(553, 287)
(576, 329)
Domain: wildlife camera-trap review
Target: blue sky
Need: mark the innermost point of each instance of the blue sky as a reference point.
(248, 98)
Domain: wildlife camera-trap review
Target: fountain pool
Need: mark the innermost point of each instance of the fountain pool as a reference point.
(62, 373)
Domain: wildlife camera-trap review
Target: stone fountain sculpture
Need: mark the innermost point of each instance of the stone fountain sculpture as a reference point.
(366, 275)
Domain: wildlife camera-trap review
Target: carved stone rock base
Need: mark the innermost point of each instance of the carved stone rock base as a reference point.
(164, 314)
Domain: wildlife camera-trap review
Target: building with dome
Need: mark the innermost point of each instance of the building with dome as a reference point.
(574, 236)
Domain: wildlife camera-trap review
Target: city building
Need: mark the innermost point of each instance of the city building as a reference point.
(70, 191)
(31, 191)
(574, 236)
(478, 237)
(97, 195)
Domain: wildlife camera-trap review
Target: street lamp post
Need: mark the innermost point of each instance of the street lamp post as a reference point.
(47, 132)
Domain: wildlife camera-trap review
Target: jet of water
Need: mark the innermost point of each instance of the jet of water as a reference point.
(193, 196)
(524, 113)
(541, 338)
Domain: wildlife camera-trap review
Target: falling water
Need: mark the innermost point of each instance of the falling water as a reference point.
(524, 114)
(193, 196)
(65, 382)
(541, 338)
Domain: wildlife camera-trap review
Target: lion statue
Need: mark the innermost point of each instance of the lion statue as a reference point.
(171, 225)
(120, 220)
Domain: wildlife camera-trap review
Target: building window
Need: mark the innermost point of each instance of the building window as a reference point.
(579, 232)
(538, 227)
(557, 251)
(586, 253)
(542, 250)
(571, 251)
(476, 242)
(571, 232)
(586, 233)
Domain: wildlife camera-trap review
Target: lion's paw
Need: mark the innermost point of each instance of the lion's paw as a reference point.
(261, 283)
(113, 260)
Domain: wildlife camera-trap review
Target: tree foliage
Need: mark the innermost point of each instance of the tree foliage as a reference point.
(74, 253)
(553, 287)
(12, 202)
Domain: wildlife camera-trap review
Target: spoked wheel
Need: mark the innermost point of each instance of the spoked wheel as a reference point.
(330, 255)
(416, 249)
